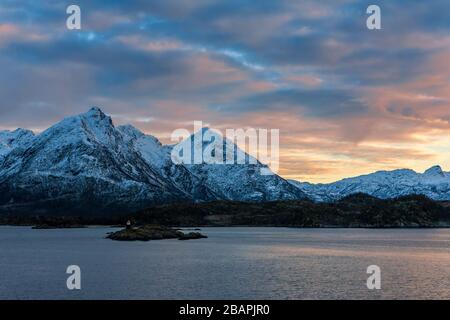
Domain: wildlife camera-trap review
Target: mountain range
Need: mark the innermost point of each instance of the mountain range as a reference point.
(433, 183)
(87, 165)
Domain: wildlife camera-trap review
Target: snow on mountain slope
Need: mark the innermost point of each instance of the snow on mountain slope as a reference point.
(11, 139)
(433, 183)
(84, 164)
(212, 181)
(81, 162)
(237, 181)
(158, 157)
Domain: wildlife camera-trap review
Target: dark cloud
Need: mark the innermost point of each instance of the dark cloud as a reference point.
(322, 103)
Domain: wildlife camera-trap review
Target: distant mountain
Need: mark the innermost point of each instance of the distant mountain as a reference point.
(86, 165)
(433, 183)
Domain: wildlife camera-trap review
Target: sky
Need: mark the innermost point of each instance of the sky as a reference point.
(347, 100)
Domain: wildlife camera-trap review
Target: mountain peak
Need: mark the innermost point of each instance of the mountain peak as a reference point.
(17, 132)
(96, 117)
(435, 171)
(204, 130)
(95, 111)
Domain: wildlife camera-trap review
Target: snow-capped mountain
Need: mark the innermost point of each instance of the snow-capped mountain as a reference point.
(84, 164)
(236, 181)
(433, 183)
(158, 157)
(11, 139)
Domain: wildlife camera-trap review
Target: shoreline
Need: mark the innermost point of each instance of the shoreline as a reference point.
(231, 226)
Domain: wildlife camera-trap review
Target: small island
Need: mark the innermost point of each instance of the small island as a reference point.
(152, 232)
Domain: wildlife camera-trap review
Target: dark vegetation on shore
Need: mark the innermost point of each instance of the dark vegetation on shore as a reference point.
(359, 210)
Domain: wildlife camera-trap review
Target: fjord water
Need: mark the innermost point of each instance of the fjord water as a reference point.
(233, 263)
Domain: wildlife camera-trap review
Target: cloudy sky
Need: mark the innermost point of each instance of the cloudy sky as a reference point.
(347, 100)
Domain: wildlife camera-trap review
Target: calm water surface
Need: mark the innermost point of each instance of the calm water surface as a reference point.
(233, 263)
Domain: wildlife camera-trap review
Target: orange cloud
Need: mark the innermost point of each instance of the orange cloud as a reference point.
(11, 32)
